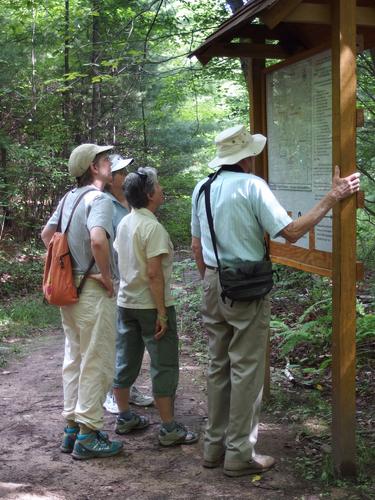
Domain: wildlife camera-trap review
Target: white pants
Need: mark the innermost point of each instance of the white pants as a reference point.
(237, 348)
(88, 367)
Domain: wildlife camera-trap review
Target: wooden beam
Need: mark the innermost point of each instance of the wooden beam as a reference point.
(344, 86)
(277, 13)
(253, 50)
(313, 13)
(366, 16)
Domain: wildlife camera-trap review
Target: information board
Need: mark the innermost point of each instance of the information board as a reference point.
(299, 130)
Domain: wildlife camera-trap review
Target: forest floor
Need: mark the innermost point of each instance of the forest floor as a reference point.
(32, 466)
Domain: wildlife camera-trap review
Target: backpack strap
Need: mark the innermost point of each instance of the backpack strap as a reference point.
(76, 205)
(92, 262)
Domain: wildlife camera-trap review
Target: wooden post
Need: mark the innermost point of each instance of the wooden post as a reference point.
(255, 82)
(256, 90)
(344, 238)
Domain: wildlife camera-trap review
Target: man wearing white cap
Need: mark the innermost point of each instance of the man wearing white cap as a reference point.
(243, 209)
(89, 325)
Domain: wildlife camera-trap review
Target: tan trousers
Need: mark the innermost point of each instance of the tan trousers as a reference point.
(237, 349)
(89, 359)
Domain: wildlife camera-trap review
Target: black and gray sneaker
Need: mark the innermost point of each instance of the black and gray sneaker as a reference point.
(178, 435)
(135, 423)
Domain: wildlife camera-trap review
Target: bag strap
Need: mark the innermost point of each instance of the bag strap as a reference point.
(206, 187)
(92, 262)
(77, 202)
(207, 199)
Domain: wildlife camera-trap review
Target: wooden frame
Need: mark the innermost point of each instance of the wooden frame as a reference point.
(310, 260)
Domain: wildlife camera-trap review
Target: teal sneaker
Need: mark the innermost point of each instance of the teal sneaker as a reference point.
(136, 423)
(95, 445)
(69, 438)
(178, 435)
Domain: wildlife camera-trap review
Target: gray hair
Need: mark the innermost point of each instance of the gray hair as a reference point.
(139, 185)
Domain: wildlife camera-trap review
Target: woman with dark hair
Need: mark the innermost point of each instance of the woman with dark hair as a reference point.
(146, 315)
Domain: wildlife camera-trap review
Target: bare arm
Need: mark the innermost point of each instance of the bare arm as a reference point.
(101, 253)
(156, 283)
(47, 233)
(341, 188)
(196, 247)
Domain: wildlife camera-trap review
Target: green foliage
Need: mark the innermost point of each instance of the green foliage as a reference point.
(305, 331)
(20, 271)
(20, 316)
(188, 293)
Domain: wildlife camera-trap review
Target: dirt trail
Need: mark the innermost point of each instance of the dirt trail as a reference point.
(32, 467)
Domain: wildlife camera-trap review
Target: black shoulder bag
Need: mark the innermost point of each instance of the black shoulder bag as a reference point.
(247, 281)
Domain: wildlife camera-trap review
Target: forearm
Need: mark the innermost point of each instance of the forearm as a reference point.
(296, 229)
(342, 187)
(196, 247)
(156, 284)
(101, 252)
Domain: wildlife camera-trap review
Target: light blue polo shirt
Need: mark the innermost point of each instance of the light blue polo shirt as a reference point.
(243, 208)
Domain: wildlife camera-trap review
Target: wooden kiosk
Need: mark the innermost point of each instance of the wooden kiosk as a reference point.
(296, 31)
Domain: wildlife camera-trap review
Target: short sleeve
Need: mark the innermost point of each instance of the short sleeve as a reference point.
(195, 224)
(157, 241)
(54, 219)
(271, 215)
(101, 214)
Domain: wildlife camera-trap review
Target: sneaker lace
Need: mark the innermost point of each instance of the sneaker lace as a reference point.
(181, 427)
(102, 436)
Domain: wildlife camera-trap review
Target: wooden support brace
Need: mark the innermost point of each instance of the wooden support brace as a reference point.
(273, 16)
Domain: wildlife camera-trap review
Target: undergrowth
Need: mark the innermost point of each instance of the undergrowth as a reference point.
(22, 311)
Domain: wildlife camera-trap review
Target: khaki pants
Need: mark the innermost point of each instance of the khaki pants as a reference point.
(237, 348)
(89, 358)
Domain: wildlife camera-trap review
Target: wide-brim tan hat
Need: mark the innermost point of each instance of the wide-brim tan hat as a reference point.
(82, 156)
(118, 162)
(236, 143)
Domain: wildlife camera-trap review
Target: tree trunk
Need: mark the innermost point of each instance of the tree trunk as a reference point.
(66, 95)
(95, 58)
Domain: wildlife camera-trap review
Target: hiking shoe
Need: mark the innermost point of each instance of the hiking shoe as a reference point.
(110, 403)
(136, 423)
(178, 435)
(95, 445)
(259, 463)
(69, 438)
(136, 397)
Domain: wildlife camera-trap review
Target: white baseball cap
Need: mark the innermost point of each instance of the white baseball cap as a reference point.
(118, 162)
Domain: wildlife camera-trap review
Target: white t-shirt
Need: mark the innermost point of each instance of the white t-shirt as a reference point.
(140, 236)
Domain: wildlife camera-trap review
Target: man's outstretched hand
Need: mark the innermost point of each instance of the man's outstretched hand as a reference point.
(342, 187)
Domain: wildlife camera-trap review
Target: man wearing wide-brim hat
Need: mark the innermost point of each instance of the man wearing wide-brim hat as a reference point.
(89, 325)
(243, 209)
